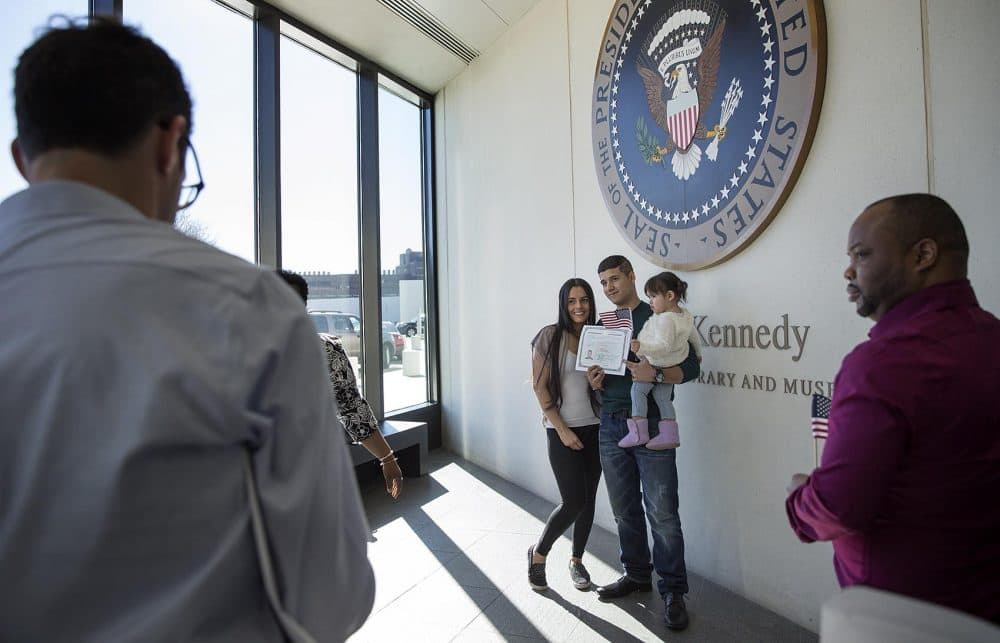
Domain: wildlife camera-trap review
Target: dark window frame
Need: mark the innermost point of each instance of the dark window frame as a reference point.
(267, 29)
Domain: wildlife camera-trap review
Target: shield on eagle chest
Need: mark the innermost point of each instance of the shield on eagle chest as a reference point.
(682, 119)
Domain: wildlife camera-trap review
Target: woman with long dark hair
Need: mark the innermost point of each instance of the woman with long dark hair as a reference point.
(570, 415)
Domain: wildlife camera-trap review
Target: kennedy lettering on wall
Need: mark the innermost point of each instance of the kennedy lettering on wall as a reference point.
(703, 113)
(780, 337)
(784, 336)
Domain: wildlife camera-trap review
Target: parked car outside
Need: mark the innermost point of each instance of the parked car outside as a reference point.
(348, 328)
(410, 328)
(398, 343)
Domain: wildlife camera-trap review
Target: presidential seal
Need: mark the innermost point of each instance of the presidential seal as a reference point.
(703, 113)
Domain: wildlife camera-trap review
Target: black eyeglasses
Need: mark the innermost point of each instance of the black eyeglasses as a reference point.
(189, 192)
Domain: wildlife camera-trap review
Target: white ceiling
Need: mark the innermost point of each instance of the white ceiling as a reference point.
(376, 32)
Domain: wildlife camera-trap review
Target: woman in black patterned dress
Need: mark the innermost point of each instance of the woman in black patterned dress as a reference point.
(352, 409)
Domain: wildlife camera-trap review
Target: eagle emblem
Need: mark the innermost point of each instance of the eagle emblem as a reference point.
(679, 66)
(702, 114)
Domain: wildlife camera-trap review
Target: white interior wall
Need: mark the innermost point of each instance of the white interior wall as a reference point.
(520, 211)
(964, 81)
(508, 228)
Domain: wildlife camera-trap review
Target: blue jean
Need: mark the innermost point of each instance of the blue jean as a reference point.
(663, 395)
(625, 470)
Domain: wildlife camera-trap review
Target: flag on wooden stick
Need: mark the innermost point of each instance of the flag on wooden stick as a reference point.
(820, 416)
(820, 421)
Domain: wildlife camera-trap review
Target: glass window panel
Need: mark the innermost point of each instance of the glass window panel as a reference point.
(220, 80)
(401, 218)
(320, 323)
(23, 21)
(319, 183)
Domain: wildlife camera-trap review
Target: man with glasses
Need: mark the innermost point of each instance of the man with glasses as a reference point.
(154, 388)
(190, 191)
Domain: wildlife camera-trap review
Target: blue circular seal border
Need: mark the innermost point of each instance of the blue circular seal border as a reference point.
(702, 116)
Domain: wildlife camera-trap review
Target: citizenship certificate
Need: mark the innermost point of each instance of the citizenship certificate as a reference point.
(604, 347)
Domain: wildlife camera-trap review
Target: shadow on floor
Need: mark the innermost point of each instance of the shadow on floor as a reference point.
(487, 562)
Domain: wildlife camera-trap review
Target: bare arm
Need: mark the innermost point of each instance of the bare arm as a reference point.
(376, 445)
(356, 415)
(539, 377)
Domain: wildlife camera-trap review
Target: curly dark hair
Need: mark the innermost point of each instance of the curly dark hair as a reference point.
(97, 86)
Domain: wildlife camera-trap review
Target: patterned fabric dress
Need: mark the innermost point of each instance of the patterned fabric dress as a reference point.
(352, 409)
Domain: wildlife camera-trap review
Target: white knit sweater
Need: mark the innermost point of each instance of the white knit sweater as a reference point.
(664, 338)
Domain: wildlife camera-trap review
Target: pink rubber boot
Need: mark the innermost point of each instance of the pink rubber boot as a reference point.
(638, 433)
(669, 436)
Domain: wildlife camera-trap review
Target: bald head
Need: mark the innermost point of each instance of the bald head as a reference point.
(902, 245)
(913, 217)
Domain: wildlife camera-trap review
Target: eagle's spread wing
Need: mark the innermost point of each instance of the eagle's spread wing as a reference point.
(708, 72)
(654, 95)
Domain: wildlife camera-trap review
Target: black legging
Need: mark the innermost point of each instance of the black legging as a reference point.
(577, 475)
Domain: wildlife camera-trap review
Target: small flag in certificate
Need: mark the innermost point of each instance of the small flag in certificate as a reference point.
(820, 416)
(621, 318)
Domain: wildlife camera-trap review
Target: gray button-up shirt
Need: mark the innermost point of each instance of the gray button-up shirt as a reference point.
(136, 366)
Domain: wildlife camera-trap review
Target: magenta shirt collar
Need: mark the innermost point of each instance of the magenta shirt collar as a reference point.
(950, 294)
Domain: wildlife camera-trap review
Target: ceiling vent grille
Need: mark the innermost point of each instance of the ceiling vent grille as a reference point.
(422, 20)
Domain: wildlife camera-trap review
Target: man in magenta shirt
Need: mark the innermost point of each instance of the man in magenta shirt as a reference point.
(909, 486)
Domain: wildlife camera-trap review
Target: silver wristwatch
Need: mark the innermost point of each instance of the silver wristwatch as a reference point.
(659, 376)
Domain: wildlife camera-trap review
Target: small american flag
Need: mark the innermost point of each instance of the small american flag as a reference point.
(621, 318)
(820, 416)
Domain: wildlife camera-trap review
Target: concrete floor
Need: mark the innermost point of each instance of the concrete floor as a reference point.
(450, 565)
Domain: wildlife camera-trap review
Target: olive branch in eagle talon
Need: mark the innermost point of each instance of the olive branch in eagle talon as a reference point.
(649, 146)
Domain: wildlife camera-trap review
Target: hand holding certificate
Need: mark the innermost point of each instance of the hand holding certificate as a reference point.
(604, 347)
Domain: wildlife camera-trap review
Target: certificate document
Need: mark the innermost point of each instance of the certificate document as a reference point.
(605, 347)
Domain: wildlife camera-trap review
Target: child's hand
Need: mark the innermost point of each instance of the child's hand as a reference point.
(634, 345)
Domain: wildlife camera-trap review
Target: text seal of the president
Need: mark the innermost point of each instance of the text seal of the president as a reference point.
(702, 115)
